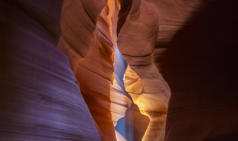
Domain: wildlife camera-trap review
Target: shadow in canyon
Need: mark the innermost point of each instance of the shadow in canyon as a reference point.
(200, 65)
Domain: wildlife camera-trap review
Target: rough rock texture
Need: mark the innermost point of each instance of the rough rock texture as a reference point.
(39, 96)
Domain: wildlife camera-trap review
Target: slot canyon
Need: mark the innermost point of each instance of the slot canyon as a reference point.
(118, 70)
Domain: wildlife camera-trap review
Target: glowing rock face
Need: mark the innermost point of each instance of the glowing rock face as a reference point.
(121, 101)
(152, 97)
(89, 36)
(118, 67)
(143, 82)
(90, 49)
(136, 38)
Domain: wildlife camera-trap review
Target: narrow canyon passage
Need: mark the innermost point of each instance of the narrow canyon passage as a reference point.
(108, 101)
(118, 70)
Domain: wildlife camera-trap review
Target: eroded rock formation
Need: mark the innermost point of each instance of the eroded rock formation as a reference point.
(39, 96)
(95, 64)
(122, 53)
(140, 31)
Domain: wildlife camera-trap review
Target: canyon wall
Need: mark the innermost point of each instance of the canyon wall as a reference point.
(171, 63)
(39, 96)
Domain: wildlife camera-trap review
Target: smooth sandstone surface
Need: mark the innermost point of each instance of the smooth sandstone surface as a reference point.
(181, 70)
(39, 96)
(89, 44)
(143, 81)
